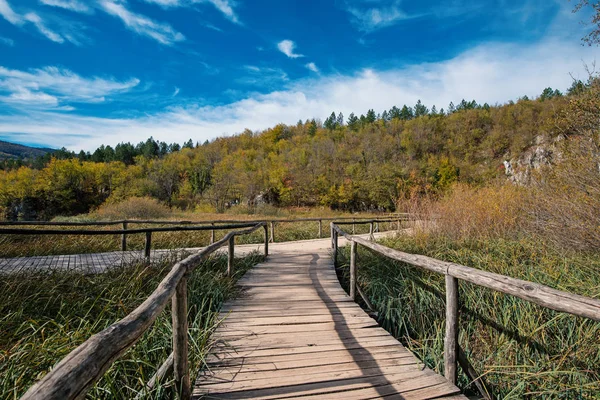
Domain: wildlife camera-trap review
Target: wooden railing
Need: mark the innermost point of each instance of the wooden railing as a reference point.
(214, 225)
(542, 295)
(80, 369)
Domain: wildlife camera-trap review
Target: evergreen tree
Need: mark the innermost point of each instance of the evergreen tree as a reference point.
(312, 127)
(420, 109)
(451, 108)
(371, 116)
(330, 122)
(394, 113)
(406, 113)
(353, 122)
(340, 120)
(189, 144)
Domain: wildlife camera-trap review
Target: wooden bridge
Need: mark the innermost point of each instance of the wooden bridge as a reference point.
(294, 332)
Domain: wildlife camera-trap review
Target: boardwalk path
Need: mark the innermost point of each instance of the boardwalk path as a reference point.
(99, 262)
(294, 332)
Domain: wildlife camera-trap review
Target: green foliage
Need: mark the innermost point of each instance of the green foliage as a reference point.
(354, 166)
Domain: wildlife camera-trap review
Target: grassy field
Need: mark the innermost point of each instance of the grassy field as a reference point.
(524, 351)
(45, 315)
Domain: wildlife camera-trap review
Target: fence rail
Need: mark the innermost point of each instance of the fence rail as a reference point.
(542, 295)
(80, 369)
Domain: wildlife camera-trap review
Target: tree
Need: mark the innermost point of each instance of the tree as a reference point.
(340, 120)
(353, 122)
(406, 113)
(451, 108)
(371, 116)
(312, 127)
(189, 144)
(420, 109)
(394, 113)
(593, 37)
(331, 122)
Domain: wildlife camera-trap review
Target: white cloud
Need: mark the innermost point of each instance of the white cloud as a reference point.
(161, 32)
(368, 18)
(287, 47)
(226, 7)
(73, 5)
(313, 67)
(34, 19)
(176, 91)
(262, 76)
(51, 85)
(39, 24)
(7, 41)
(7, 12)
(489, 73)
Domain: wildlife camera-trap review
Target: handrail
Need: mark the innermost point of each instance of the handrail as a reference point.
(185, 222)
(12, 231)
(536, 293)
(80, 369)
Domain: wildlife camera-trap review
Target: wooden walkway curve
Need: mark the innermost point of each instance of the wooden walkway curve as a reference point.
(293, 332)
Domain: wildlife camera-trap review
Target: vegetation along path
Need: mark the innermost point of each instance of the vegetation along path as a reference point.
(295, 332)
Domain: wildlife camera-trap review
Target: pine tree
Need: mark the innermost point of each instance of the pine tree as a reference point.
(420, 109)
(371, 116)
(353, 122)
(406, 113)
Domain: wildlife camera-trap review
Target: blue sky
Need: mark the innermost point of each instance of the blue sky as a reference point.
(80, 73)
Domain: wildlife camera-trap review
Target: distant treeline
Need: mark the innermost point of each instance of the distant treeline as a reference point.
(369, 162)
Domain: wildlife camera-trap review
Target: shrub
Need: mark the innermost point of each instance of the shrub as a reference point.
(133, 208)
(479, 213)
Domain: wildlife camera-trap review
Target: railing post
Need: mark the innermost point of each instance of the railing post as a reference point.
(353, 226)
(148, 244)
(376, 226)
(371, 236)
(180, 341)
(212, 234)
(451, 338)
(335, 247)
(332, 232)
(230, 256)
(272, 232)
(353, 270)
(266, 240)
(320, 229)
(124, 237)
(398, 224)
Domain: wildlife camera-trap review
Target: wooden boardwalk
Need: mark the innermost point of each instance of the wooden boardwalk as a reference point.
(294, 332)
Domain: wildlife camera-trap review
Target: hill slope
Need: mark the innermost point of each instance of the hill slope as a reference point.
(12, 150)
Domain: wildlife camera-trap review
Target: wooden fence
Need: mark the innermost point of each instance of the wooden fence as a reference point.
(73, 376)
(179, 226)
(542, 295)
(80, 369)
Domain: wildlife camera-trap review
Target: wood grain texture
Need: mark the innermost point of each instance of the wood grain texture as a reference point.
(299, 334)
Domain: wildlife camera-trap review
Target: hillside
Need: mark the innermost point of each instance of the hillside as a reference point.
(15, 151)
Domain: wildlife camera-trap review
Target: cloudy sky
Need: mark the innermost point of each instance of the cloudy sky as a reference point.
(80, 73)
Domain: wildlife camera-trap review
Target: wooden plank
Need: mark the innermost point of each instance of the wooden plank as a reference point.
(404, 382)
(294, 332)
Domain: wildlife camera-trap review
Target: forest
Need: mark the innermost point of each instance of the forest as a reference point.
(371, 162)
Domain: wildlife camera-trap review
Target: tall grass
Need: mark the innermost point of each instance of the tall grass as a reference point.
(46, 314)
(524, 351)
